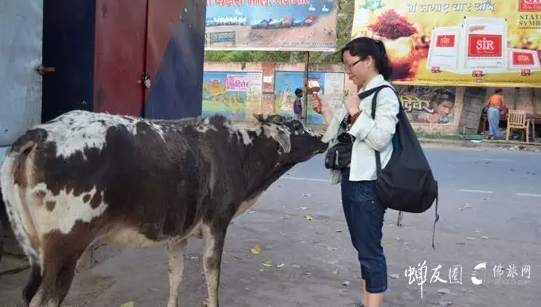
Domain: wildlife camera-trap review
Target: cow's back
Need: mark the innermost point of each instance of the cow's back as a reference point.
(151, 177)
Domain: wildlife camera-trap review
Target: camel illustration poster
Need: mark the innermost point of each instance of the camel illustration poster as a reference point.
(272, 25)
(489, 43)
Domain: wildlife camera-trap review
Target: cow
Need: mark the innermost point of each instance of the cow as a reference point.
(88, 177)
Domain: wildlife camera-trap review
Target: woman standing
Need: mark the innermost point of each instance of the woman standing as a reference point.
(367, 66)
(495, 105)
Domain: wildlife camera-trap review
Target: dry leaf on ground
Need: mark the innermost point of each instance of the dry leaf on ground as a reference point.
(444, 291)
(256, 250)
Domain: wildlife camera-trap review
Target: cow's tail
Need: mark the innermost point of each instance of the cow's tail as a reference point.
(19, 214)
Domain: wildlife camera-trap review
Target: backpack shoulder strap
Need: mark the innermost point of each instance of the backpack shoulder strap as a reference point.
(375, 91)
(374, 99)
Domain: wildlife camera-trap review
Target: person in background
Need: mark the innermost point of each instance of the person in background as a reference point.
(495, 105)
(297, 104)
(367, 66)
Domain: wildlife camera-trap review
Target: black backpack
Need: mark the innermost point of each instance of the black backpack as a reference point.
(406, 183)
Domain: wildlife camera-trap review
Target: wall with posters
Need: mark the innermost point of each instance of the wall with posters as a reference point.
(430, 109)
(278, 83)
(229, 93)
(271, 25)
(488, 43)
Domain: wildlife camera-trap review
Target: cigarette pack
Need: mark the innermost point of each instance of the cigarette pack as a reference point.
(521, 59)
(443, 53)
(484, 45)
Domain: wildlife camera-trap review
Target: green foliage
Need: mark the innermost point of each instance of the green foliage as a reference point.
(247, 56)
(346, 10)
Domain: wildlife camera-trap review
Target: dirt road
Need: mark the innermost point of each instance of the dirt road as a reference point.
(490, 212)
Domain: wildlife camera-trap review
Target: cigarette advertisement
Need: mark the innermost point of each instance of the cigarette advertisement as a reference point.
(271, 25)
(490, 43)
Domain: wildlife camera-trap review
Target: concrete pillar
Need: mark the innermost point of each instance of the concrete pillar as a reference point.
(474, 98)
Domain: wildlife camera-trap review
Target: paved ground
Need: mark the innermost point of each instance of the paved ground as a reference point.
(490, 212)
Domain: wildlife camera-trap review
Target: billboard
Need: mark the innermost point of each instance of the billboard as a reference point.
(271, 25)
(489, 43)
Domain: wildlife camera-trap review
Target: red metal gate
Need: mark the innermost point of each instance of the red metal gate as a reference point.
(120, 56)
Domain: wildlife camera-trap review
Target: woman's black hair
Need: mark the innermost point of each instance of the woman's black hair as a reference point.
(498, 91)
(298, 92)
(364, 47)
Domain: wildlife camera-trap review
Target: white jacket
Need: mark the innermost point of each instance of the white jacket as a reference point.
(370, 134)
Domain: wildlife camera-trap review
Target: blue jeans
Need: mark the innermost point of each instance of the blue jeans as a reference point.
(364, 216)
(493, 116)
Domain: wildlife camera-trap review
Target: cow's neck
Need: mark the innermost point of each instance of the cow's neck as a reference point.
(262, 170)
(263, 180)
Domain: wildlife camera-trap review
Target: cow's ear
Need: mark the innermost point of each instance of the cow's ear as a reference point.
(276, 119)
(269, 118)
(260, 117)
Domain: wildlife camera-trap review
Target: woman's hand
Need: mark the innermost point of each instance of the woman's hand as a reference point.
(352, 104)
(318, 104)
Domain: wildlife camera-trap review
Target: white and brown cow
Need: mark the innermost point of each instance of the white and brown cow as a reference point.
(87, 177)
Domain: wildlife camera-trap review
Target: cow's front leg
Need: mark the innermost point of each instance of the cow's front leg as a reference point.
(176, 269)
(212, 257)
